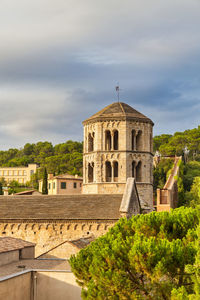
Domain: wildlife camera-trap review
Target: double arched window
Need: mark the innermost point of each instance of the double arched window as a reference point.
(111, 140)
(137, 170)
(112, 171)
(136, 140)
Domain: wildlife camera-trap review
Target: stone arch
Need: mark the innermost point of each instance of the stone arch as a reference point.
(90, 142)
(98, 227)
(133, 139)
(61, 226)
(11, 227)
(5, 226)
(133, 168)
(90, 227)
(108, 171)
(19, 225)
(90, 172)
(115, 140)
(108, 140)
(106, 227)
(82, 227)
(139, 141)
(75, 226)
(47, 226)
(68, 226)
(33, 226)
(115, 170)
(139, 172)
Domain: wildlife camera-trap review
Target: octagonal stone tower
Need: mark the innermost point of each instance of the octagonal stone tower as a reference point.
(118, 145)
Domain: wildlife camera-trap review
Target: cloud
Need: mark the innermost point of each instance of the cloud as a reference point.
(60, 62)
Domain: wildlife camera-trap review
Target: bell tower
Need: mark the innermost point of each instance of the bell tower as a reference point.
(118, 145)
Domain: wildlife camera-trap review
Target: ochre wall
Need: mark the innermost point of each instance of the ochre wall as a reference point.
(16, 288)
(49, 234)
(57, 285)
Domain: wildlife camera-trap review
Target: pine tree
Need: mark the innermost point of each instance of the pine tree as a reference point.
(44, 183)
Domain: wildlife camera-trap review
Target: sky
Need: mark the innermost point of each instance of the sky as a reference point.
(60, 61)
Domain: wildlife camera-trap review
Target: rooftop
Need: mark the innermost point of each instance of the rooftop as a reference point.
(33, 265)
(119, 110)
(82, 242)
(60, 207)
(10, 244)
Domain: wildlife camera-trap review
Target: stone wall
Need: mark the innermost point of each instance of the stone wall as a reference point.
(48, 234)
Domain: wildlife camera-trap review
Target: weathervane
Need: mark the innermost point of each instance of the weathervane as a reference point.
(117, 90)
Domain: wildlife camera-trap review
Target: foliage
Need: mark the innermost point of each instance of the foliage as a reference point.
(140, 258)
(160, 173)
(62, 158)
(174, 145)
(192, 170)
(45, 182)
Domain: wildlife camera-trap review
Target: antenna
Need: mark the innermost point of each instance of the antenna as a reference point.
(117, 90)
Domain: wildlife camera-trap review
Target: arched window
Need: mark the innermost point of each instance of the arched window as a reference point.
(139, 141)
(90, 172)
(139, 172)
(115, 140)
(90, 142)
(107, 140)
(116, 170)
(133, 140)
(133, 168)
(108, 171)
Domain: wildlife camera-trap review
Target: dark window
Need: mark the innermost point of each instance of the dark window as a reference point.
(49, 186)
(74, 185)
(80, 184)
(115, 140)
(54, 185)
(107, 140)
(63, 185)
(108, 171)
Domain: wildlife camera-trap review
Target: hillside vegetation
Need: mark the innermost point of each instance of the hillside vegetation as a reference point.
(61, 158)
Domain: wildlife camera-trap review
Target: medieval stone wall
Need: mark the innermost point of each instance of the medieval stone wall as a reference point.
(48, 234)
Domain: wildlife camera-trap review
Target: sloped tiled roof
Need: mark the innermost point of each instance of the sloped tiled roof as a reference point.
(60, 207)
(10, 244)
(82, 242)
(118, 110)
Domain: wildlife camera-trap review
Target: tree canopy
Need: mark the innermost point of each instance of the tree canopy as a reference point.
(144, 257)
(62, 158)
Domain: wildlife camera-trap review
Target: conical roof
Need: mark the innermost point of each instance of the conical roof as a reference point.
(118, 111)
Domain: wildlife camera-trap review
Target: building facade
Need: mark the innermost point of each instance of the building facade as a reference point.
(118, 144)
(65, 184)
(20, 174)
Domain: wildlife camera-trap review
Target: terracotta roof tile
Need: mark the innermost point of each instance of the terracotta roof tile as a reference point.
(60, 207)
(118, 110)
(10, 244)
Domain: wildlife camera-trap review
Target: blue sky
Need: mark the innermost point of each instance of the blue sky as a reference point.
(61, 59)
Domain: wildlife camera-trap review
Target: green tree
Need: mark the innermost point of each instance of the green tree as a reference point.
(140, 258)
(45, 182)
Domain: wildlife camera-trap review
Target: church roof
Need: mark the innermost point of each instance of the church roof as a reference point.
(118, 110)
(60, 207)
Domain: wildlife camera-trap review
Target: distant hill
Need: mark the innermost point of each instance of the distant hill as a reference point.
(168, 144)
(62, 158)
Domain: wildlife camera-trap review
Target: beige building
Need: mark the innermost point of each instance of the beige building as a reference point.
(118, 145)
(23, 277)
(65, 184)
(20, 174)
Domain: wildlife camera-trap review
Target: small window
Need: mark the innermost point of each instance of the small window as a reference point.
(63, 185)
(74, 185)
(49, 186)
(20, 173)
(54, 185)
(80, 184)
(10, 173)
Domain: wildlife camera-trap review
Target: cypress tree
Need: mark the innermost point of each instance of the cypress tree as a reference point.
(44, 183)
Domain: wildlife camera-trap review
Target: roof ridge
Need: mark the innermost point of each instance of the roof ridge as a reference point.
(122, 108)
